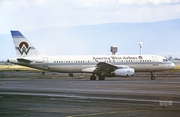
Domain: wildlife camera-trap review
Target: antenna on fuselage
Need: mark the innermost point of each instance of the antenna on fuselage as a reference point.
(114, 49)
(140, 45)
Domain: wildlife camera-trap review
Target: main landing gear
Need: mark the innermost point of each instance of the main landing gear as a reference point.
(100, 77)
(92, 77)
(152, 76)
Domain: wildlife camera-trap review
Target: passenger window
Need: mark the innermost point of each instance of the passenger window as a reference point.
(165, 60)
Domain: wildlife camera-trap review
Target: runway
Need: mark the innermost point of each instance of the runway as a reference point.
(73, 97)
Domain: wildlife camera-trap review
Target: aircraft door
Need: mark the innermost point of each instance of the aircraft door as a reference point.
(45, 62)
(155, 60)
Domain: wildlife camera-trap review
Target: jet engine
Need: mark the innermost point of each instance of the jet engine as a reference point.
(124, 72)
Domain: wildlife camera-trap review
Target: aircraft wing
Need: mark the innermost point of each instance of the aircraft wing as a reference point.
(105, 67)
(102, 66)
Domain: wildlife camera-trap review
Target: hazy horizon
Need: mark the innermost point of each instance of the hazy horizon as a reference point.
(81, 27)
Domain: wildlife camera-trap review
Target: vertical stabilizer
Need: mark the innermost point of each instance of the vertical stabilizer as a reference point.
(23, 47)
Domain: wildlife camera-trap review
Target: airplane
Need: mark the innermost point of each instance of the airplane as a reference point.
(100, 66)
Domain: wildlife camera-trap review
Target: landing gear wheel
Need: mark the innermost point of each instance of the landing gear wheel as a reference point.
(101, 77)
(92, 77)
(152, 76)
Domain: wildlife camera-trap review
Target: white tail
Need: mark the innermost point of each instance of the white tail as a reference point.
(23, 47)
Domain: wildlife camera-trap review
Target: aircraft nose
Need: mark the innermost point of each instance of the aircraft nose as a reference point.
(172, 65)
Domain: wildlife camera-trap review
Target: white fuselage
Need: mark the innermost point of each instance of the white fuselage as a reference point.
(100, 66)
(87, 64)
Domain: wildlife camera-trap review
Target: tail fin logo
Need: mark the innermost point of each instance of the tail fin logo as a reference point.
(23, 48)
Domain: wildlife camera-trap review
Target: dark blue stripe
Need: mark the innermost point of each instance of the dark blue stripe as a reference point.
(16, 34)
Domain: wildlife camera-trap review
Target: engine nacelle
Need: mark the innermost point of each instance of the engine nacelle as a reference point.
(128, 72)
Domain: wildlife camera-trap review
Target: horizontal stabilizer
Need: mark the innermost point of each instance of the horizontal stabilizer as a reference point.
(24, 60)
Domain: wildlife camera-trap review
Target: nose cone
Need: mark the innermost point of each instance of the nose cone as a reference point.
(172, 65)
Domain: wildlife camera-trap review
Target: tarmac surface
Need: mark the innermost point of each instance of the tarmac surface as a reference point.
(33, 95)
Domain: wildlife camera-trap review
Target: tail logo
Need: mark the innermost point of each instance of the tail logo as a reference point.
(23, 48)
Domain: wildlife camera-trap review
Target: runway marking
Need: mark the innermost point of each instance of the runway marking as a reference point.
(84, 97)
(106, 113)
(124, 111)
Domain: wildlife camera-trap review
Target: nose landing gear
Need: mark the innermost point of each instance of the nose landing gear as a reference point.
(152, 75)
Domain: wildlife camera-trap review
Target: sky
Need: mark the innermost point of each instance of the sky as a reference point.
(36, 14)
(29, 15)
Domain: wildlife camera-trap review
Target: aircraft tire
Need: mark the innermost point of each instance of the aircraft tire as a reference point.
(92, 77)
(153, 78)
(101, 77)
